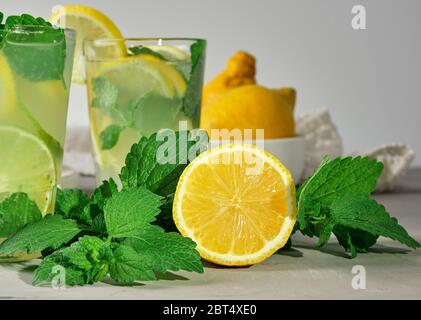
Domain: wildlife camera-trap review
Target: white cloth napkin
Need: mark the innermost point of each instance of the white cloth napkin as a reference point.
(322, 139)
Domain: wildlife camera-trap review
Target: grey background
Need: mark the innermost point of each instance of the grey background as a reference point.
(369, 79)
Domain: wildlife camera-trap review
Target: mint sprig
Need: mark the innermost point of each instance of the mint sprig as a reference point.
(158, 161)
(127, 215)
(109, 137)
(24, 19)
(35, 63)
(193, 96)
(17, 211)
(365, 214)
(120, 233)
(50, 232)
(337, 199)
(112, 233)
(140, 208)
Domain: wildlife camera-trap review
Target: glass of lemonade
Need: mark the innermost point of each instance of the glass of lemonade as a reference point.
(137, 87)
(35, 73)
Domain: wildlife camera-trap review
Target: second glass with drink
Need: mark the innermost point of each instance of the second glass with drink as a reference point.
(137, 87)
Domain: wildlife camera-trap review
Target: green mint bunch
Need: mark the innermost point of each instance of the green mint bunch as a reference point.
(337, 199)
(35, 62)
(24, 19)
(114, 233)
(124, 233)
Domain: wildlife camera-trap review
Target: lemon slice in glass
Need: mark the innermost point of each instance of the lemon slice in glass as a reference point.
(170, 53)
(168, 70)
(175, 55)
(7, 88)
(139, 77)
(89, 23)
(27, 165)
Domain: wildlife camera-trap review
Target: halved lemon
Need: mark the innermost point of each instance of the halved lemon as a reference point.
(237, 202)
(89, 23)
(27, 165)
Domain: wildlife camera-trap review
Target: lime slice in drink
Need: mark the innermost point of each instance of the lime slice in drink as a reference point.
(27, 165)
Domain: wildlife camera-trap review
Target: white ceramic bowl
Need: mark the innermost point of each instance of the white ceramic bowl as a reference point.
(290, 151)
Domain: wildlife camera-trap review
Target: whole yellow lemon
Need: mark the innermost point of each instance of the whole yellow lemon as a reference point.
(252, 107)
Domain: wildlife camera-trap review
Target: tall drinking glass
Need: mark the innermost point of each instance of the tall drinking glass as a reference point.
(35, 73)
(137, 87)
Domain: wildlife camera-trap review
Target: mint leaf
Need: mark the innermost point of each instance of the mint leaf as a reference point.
(24, 19)
(130, 210)
(354, 240)
(157, 164)
(96, 207)
(84, 262)
(105, 94)
(75, 204)
(41, 62)
(70, 203)
(164, 219)
(193, 95)
(140, 50)
(109, 136)
(337, 199)
(104, 192)
(53, 266)
(128, 266)
(88, 253)
(334, 179)
(362, 213)
(50, 232)
(166, 251)
(1, 28)
(130, 174)
(17, 211)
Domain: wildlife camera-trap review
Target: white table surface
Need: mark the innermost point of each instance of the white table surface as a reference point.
(392, 270)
